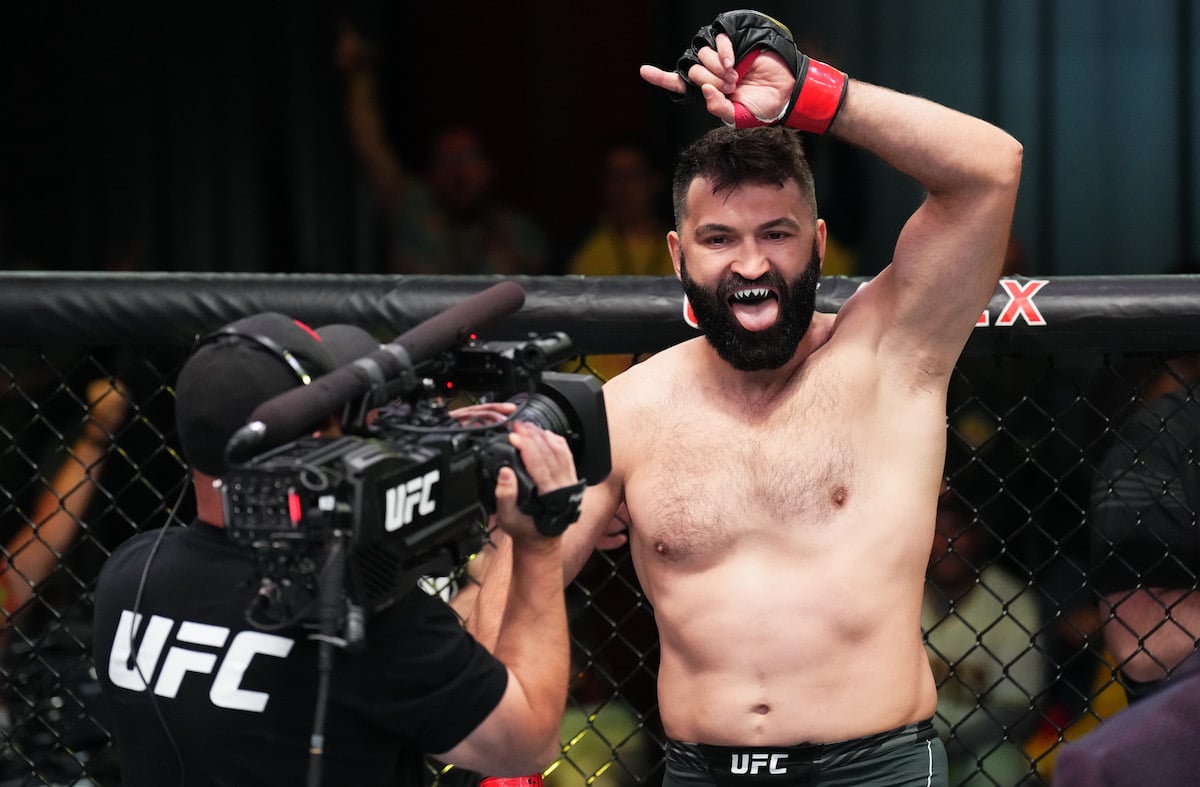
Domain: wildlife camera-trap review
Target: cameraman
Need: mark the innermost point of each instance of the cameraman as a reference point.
(201, 696)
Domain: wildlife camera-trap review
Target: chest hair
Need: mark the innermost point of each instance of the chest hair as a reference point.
(707, 483)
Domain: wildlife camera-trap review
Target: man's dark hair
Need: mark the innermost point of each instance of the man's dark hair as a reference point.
(729, 157)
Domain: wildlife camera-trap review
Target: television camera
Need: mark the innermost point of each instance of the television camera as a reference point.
(407, 490)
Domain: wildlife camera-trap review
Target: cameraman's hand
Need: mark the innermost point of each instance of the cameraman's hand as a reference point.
(487, 414)
(548, 460)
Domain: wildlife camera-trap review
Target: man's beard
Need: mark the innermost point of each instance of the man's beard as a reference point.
(751, 351)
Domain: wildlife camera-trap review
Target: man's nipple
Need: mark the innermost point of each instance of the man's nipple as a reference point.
(838, 498)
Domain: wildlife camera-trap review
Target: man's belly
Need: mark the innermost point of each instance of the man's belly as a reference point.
(781, 669)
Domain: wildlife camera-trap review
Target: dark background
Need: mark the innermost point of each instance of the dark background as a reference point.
(210, 137)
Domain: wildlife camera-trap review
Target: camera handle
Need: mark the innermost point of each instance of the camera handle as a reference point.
(552, 512)
(496, 453)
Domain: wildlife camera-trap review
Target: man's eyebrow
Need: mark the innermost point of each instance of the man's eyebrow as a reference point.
(783, 221)
(704, 229)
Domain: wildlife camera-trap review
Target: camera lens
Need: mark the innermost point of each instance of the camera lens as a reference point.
(541, 411)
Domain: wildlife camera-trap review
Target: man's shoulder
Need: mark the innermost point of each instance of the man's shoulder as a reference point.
(124, 559)
(650, 381)
(158, 544)
(135, 545)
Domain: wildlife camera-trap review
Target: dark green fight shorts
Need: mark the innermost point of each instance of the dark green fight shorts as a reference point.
(910, 756)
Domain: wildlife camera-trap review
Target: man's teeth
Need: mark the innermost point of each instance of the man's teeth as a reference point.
(752, 295)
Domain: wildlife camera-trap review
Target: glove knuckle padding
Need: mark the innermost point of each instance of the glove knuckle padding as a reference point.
(747, 31)
(819, 90)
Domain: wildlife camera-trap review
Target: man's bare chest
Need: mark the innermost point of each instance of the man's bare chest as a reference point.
(702, 489)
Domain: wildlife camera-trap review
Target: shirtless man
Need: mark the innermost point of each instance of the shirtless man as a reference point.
(781, 473)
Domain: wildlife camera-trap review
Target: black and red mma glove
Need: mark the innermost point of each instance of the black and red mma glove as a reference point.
(820, 89)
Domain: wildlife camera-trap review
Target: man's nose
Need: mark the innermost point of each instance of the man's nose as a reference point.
(752, 262)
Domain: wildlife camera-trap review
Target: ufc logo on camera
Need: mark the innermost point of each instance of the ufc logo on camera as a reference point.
(215, 655)
(408, 498)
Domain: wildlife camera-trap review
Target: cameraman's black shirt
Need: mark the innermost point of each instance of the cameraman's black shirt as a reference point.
(239, 702)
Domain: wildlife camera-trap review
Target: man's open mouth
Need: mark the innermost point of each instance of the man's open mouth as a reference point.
(756, 308)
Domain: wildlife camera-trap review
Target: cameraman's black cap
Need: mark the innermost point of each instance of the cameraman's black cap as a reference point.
(233, 371)
(347, 343)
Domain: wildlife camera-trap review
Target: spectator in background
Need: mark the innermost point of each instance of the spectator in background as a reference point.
(452, 222)
(1145, 555)
(33, 552)
(628, 238)
(51, 711)
(979, 620)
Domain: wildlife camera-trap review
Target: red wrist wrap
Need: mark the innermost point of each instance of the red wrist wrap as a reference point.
(818, 99)
(512, 781)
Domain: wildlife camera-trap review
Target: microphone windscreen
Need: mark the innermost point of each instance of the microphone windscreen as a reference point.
(286, 416)
(452, 327)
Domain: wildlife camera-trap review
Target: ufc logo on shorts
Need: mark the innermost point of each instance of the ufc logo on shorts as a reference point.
(402, 499)
(751, 764)
(226, 665)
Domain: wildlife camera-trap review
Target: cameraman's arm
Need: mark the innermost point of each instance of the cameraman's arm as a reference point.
(480, 604)
(602, 525)
(483, 608)
(520, 736)
(597, 528)
(479, 609)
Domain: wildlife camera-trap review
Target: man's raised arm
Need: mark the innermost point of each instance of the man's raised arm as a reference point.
(948, 258)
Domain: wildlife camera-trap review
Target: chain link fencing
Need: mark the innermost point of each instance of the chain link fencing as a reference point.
(1013, 632)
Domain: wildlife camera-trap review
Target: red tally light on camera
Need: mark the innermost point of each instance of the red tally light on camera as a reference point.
(294, 509)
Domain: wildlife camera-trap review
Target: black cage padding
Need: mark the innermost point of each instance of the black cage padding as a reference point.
(614, 314)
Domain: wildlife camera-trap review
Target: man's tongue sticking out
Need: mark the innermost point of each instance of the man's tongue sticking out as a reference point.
(755, 309)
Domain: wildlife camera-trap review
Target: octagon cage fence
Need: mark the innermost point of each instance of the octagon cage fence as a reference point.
(88, 457)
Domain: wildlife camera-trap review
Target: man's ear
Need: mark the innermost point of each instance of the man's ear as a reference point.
(821, 237)
(673, 246)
